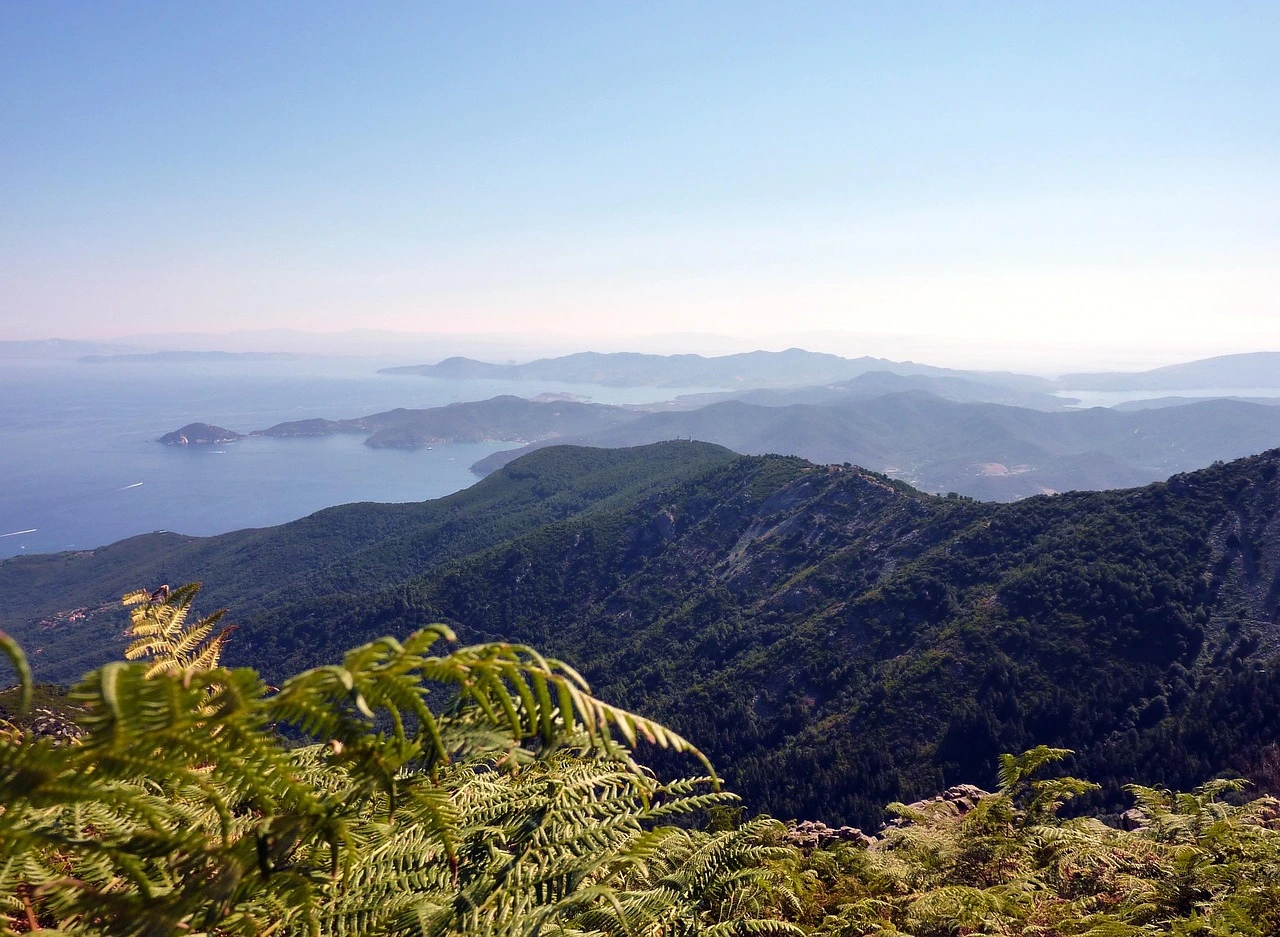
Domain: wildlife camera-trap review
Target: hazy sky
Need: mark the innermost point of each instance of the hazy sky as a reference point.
(1022, 173)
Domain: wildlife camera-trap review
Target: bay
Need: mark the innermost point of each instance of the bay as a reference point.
(79, 465)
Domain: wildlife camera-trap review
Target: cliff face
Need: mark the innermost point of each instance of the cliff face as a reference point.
(199, 434)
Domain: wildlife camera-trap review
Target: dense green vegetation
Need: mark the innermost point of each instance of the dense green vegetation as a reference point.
(837, 640)
(353, 547)
(192, 798)
(184, 807)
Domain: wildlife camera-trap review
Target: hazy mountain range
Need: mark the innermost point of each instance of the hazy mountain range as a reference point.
(988, 451)
(1258, 369)
(793, 367)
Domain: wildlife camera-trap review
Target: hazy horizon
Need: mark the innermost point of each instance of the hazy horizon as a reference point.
(429, 347)
(1032, 186)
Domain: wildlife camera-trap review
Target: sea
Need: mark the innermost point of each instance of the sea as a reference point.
(80, 466)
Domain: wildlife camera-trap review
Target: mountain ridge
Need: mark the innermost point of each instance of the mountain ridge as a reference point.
(792, 367)
(986, 450)
(864, 641)
(975, 449)
(868, 642)
(1251, 369)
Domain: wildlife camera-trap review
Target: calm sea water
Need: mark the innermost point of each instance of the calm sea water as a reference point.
(79, 465)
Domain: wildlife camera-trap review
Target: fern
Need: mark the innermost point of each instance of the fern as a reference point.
(422, 788)
(158, 625)
(417, 787)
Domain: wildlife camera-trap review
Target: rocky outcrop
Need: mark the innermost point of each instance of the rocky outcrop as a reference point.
(957, 800)
(810, 835)
(47, 723)
(1132, 819)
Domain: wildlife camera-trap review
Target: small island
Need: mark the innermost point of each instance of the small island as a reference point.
(199, 434)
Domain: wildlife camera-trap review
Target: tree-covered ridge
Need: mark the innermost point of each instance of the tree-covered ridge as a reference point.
(836, 640)
(840, 641)
(483, 790)
(62, 606)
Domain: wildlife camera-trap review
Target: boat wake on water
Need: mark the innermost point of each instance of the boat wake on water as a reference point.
(19, 533)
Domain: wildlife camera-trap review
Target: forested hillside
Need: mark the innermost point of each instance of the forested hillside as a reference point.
(421, 787)
(63, 606)
(864, 642)
(838, 640)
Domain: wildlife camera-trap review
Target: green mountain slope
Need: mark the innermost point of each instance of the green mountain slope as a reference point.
(865, 643)
(64, 607)
(834, 639)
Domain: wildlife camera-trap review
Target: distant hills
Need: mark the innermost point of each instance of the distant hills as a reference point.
(1257, 369)
(793, 367)
(1154, 403)
(834, 638)
(983, 450)
(796, 368)
(871, 384)
(504, 418)
(986, 451)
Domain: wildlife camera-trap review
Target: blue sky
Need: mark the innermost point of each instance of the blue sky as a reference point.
(1010, 172)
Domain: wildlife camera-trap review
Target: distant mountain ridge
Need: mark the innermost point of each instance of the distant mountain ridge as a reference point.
(988, 451)
(870, 384)
(1153, 403)
(504, 418)
(793, 367)
(1254, 369)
